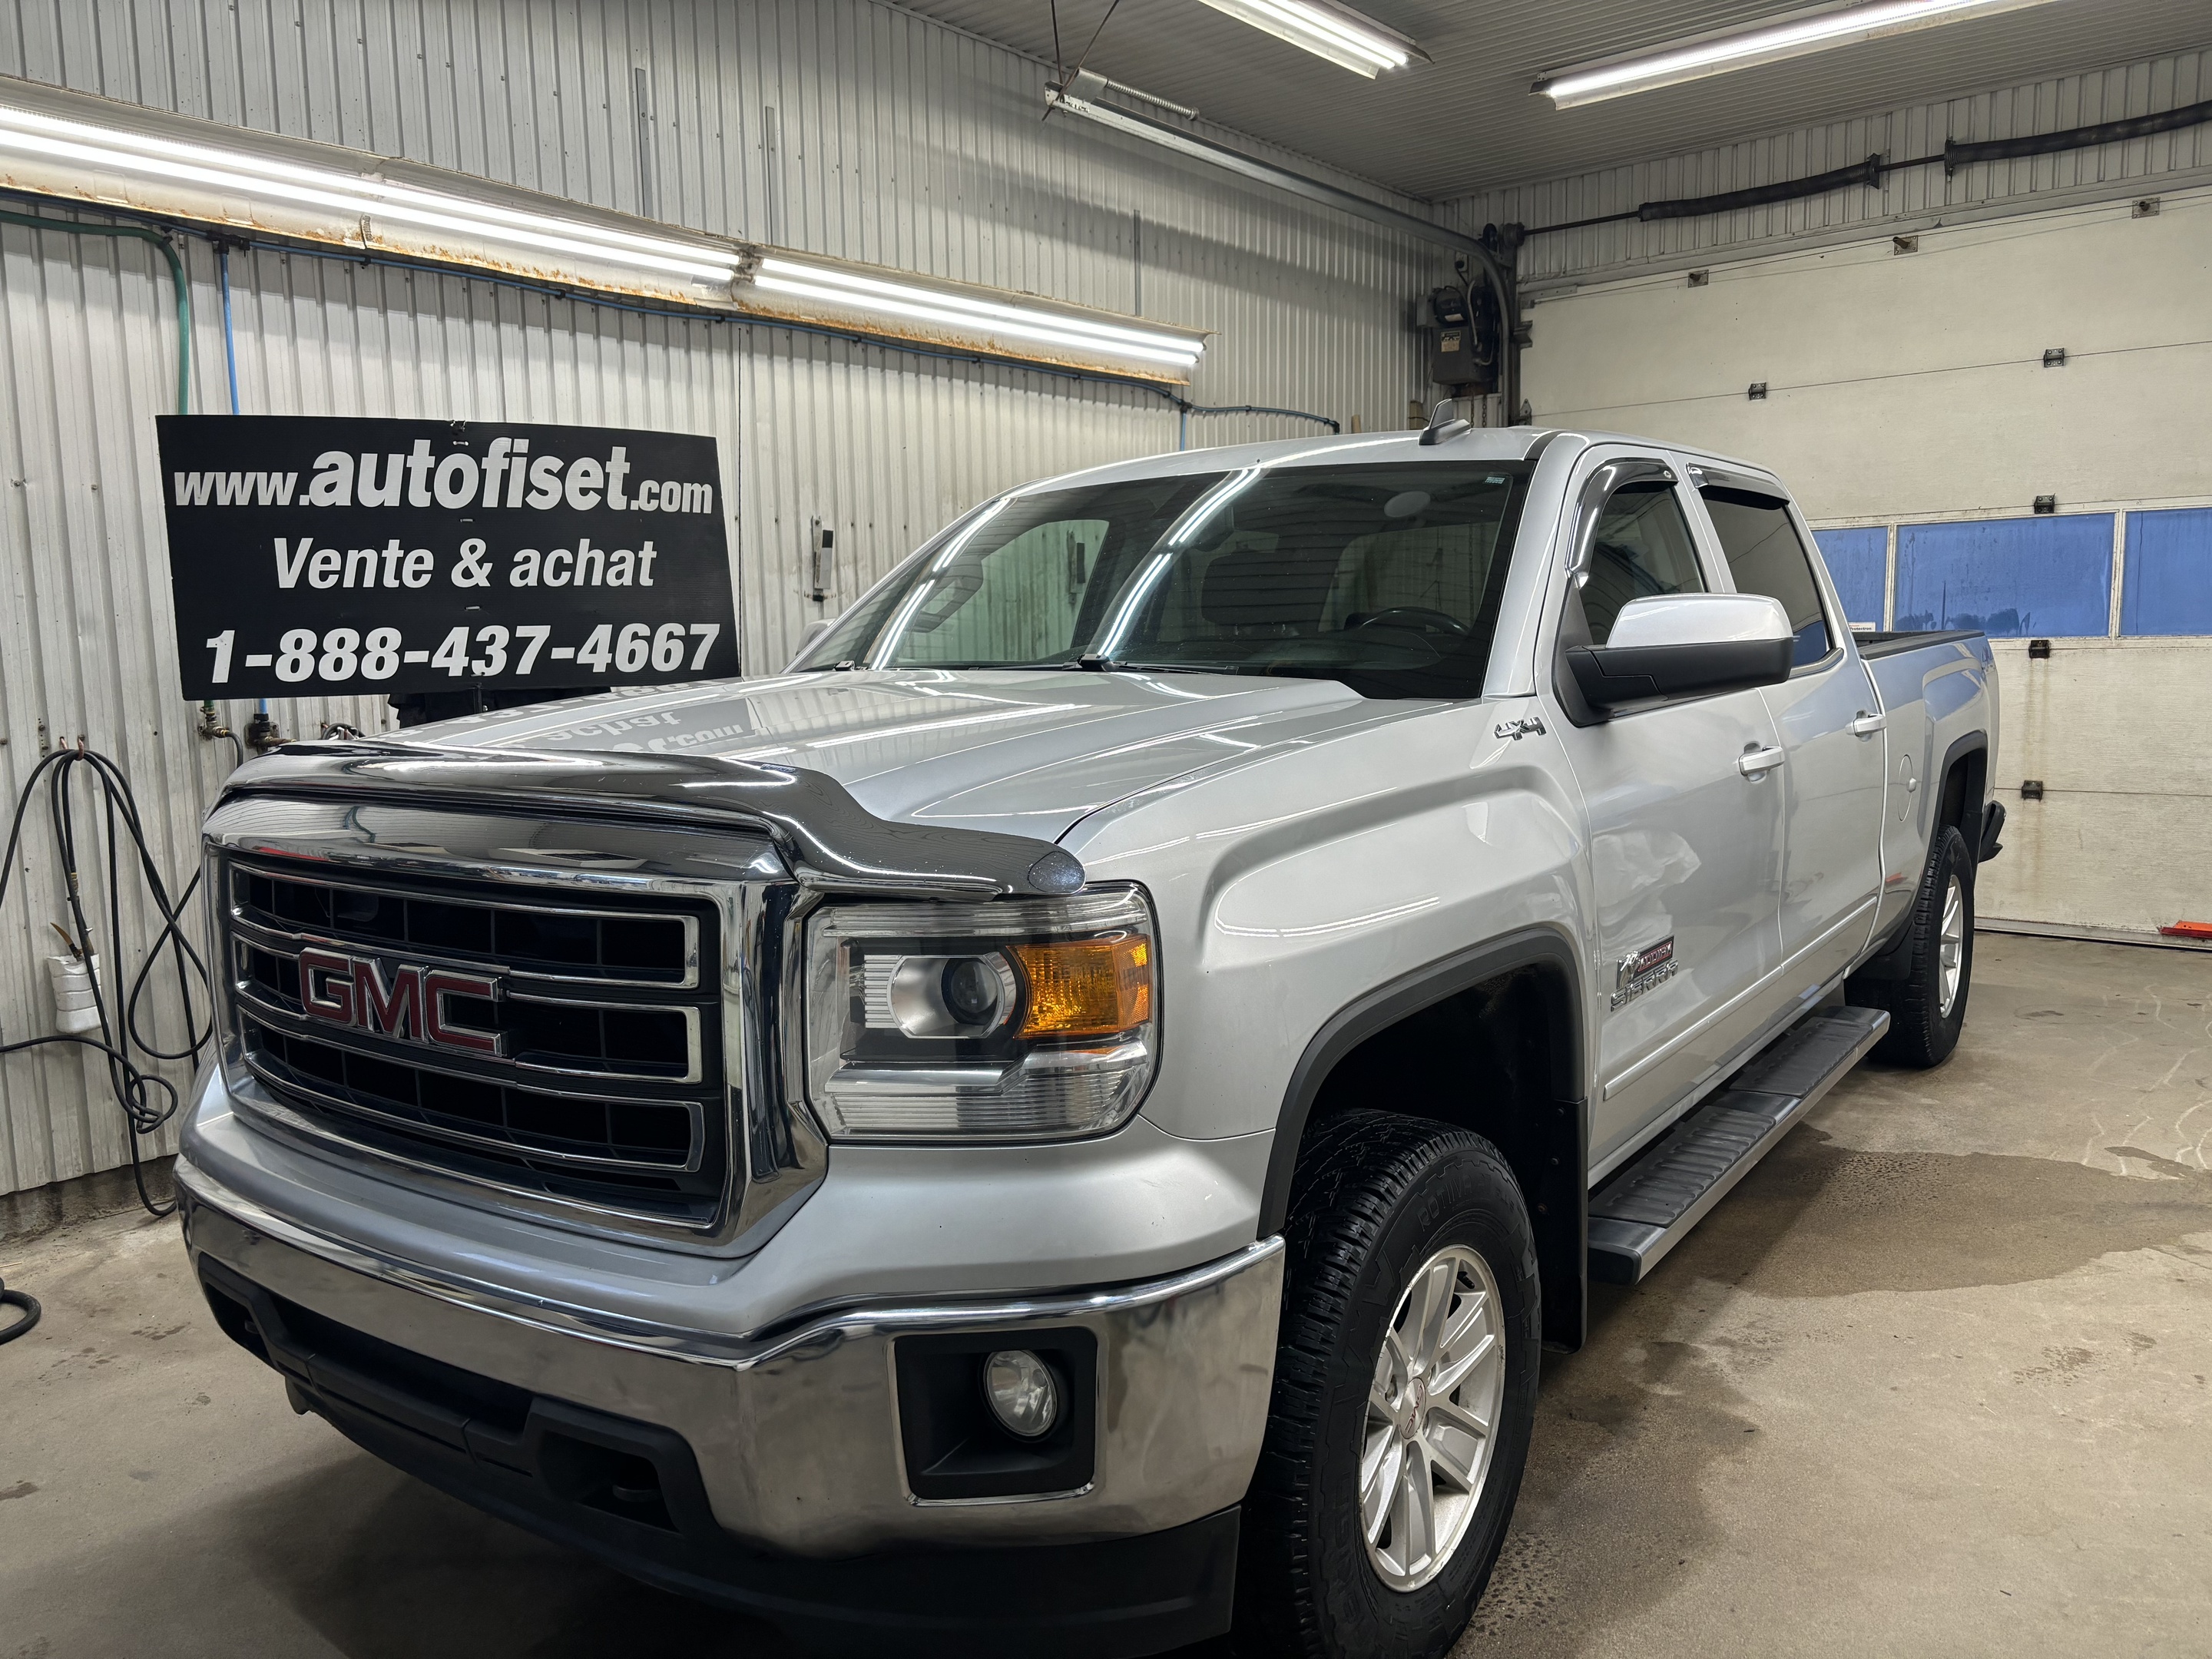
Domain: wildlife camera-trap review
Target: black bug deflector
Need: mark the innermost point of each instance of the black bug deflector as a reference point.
(828, 839)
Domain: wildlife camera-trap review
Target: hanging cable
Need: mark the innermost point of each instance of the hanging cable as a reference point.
(147, 1099)
(229, 339)
(137, 233)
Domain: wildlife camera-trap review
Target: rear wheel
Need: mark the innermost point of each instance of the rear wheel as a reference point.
(1405, 1394)
(1928, 1006)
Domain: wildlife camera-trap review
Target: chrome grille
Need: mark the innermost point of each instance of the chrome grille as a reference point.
(566, 1047)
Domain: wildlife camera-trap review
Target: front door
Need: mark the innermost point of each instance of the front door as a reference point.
(1685, 842)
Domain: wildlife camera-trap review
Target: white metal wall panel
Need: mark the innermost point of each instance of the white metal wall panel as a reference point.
(843, 127)
(87, 648)
(1906, 194)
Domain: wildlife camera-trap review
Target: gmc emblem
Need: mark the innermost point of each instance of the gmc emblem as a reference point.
(408, 1004)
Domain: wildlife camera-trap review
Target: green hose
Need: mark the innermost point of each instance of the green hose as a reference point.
(71, 228)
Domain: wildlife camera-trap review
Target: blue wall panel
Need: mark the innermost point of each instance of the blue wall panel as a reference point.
(1859, 561)
(2167, 586)
(2051, 576)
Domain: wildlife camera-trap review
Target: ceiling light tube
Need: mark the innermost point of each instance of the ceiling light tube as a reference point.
(94, 152)
(900, 306)
(422, 208)
(919, 311)
(775, 268)
(1794, 35)
(72, 145)
(1344, 37)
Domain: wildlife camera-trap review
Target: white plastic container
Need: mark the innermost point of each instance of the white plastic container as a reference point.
(72, 978)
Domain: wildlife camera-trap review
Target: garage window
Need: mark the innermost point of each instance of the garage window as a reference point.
(2008, 577)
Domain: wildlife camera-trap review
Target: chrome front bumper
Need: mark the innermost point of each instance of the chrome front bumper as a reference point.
(796, 1431)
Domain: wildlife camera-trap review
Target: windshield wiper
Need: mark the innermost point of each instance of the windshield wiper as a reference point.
(1123, 666)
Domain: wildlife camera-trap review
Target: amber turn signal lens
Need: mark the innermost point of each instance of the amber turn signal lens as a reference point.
(1086, 987)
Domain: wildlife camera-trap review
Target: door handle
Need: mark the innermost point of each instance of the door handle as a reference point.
(1866, 725)
(1757, 762)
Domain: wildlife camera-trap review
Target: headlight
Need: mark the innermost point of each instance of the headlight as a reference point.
(1013, 1020)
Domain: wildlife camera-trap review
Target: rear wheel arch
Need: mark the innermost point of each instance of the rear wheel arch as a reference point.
(1965, 788)
(1489, 1039)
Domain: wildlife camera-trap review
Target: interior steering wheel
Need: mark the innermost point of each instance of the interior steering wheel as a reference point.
(1421, 617)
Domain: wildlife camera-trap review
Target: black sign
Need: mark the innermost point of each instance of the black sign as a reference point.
(312, 555)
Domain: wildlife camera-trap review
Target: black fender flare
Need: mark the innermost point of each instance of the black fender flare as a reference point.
(1970, 812)
(1891, 957)
(1558, 1188)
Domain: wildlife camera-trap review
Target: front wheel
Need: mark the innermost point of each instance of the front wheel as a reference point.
(1405, 1394)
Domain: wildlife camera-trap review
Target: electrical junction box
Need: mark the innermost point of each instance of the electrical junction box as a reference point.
(1464, 354)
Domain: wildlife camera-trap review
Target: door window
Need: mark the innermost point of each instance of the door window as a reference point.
(1765, 556)
(1641, 548)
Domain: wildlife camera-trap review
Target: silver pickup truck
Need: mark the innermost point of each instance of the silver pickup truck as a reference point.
(1071, 1113)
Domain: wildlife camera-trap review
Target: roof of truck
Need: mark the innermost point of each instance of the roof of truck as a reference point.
(1510, 443)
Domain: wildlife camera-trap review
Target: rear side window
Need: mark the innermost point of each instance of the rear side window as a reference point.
(1765, 556)
(1640, 548)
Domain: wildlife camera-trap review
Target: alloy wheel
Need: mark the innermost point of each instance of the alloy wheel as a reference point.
(1951, 947)
(1432, 1411)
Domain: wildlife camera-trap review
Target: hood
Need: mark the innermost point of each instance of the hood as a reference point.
(1028, 752)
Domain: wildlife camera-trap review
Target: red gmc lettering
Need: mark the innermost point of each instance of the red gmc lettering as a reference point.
(410, 1005)
(444, 983)
(396, 1011)
(326, 985)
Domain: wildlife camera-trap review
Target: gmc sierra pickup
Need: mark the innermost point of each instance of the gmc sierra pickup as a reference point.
(1069, 1114)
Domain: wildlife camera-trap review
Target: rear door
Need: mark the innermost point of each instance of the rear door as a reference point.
(1831, 724)
(1686, 844)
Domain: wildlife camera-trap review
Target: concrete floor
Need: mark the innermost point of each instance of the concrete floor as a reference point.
(1932, 1381)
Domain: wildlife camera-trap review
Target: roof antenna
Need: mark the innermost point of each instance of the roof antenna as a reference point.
(1444, 422)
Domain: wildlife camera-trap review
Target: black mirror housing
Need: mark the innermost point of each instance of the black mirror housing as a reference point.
(1611, 676)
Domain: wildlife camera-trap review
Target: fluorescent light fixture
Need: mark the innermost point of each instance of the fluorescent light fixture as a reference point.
(75, 147)
(1344, 37)
(1792, 35)
(910, 307)
(70, 144)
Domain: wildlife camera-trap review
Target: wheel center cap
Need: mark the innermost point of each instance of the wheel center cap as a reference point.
(1417, 1402)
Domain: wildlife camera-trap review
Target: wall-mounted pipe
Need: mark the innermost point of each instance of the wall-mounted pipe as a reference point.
(1868, 172)
(1872, 171)
(137, 233)
(1500, 275)
(1956, 154)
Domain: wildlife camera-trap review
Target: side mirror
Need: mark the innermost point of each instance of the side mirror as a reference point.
(1686, 645)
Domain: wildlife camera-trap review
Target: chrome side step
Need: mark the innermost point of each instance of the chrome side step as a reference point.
(1645, 1211)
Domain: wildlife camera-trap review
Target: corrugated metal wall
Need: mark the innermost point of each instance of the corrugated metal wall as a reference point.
(1907, 195)
(844, 127)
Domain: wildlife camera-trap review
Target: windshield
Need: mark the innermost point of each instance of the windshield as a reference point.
(1386, 577)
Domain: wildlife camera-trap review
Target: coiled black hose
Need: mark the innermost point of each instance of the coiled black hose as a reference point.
(148, 1100)
(29, 1304)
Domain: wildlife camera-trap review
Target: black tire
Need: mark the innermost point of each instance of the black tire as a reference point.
(1375, 1197)
(1923, 1031)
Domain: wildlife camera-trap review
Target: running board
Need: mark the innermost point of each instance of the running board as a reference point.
(1643, 1212)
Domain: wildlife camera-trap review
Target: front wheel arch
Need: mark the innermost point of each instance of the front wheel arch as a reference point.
(1535, 1112)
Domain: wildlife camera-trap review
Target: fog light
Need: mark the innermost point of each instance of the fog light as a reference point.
(1024, 1396)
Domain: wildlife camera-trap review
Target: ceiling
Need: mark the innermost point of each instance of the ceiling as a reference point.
(1467, 121)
